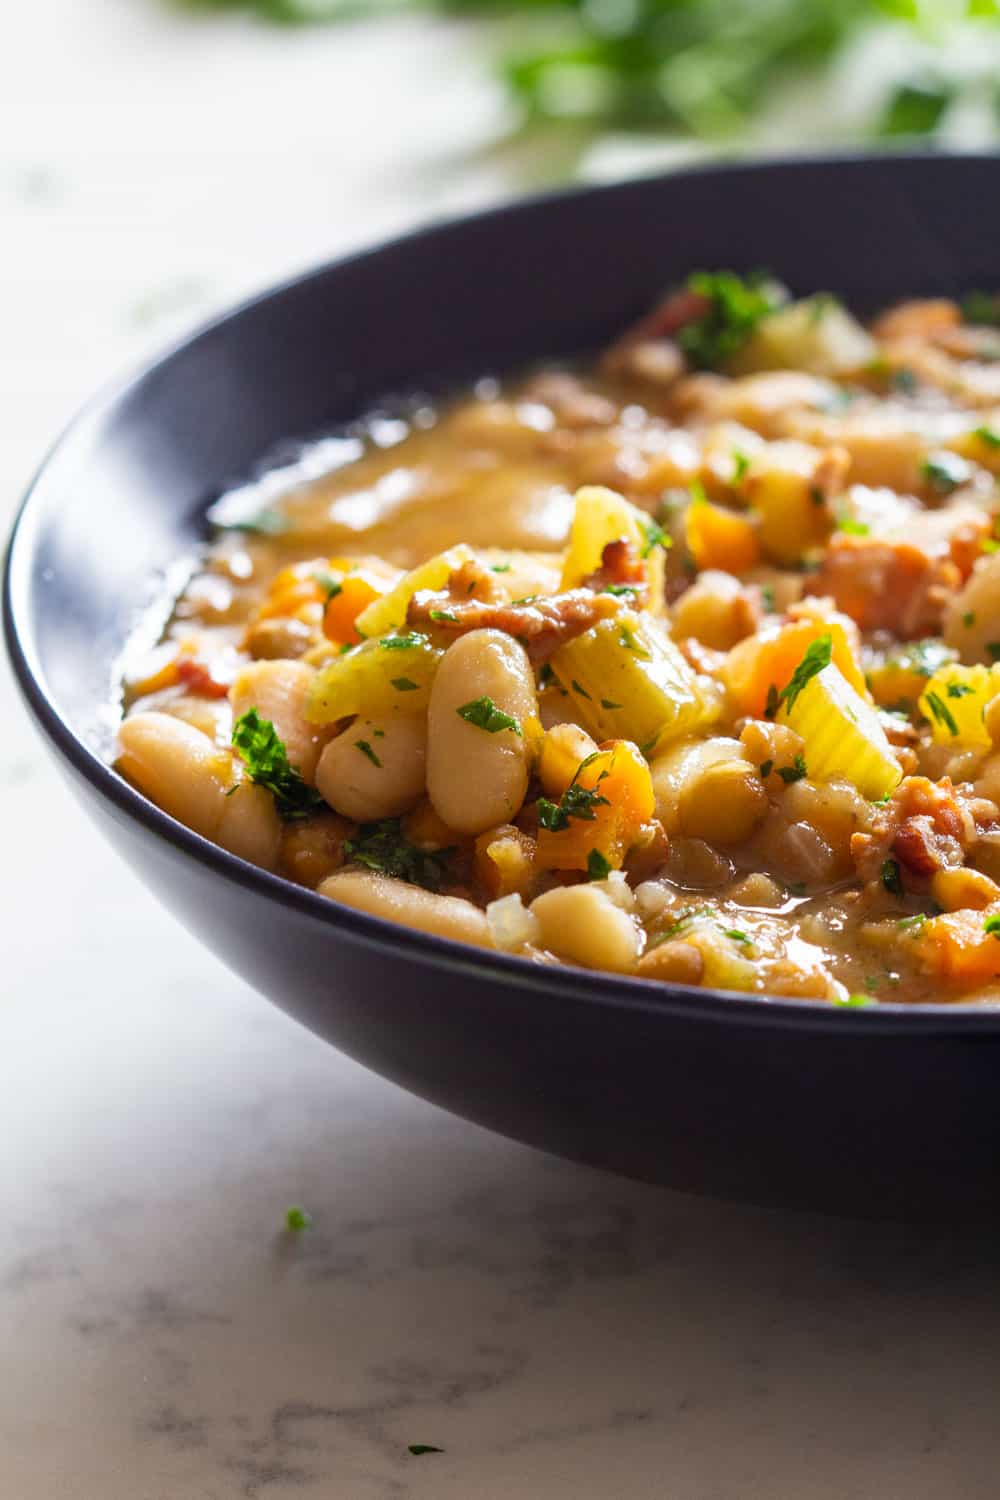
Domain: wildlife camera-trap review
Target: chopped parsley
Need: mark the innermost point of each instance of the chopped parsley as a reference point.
(992, 925)
(912, 924)
(627, 638)
(330, 586)
(853, 1002)
(411, 641)
(987, 435)
(794, 772)
(982, 308)
(736, 935)
(368, 752)
(655, 536)
(735, 306)
(404, 685)
(500, 568)
(817, 496)
(264, 523)
(773, 701)
(419, 1449)
(818, 654)
(904, 380)
(621, 590)
(444, 614)
(546, 675)
(766, 767)
(296, 1219)
(741, 466)
(579, 688)
(969, 619)
(891, 878)
(993, 647)
(767, 595)
(598, 868)
(576, 802)
(958, 690)
(484, 714)
(945, 471)
(941, 712)
(384, 847)
(851, 527)
(263, 752)
(609, 703)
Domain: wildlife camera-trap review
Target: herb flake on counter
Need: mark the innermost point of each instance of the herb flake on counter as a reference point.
(483, 713)
(419, 1449)
(296, 1219)
(263, 753)
(384, 847)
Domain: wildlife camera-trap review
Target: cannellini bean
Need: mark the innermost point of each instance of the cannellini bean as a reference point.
(584, 926)
(250, 826)
(376, 768)
(716, 610)
(396, 901)
(956, 889)
(178, 768)
(311, 850)
(476, 779)
(277, 690)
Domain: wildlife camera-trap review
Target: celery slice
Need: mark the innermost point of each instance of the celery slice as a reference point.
(389, 676)
(955, 699)
(601, 516)
(629, 681)
(842, 734)
(389, 612)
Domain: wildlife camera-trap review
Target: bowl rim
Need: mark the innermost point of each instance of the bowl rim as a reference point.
(564, 982)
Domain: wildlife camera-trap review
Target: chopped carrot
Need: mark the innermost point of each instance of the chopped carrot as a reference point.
(769, 658)
(607, 824)
(957, 948)
(354, 594)
(720, 538)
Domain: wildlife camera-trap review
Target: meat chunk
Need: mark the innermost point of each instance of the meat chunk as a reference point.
(887, 585)
(541, 625)
(926, 826)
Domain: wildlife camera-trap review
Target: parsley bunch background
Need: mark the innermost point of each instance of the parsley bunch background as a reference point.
(708, 69)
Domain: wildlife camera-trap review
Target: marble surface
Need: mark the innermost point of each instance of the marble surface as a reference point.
(559, 1334)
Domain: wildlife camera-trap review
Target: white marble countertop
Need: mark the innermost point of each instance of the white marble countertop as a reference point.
(559, 1334)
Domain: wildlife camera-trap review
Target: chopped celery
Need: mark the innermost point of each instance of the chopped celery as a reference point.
(955, 699)
(628, 680)
(389, 676)
(601, 516)
(389, 612)
(842, 735)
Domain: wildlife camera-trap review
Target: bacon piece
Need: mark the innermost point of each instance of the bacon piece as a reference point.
(926, 826)
(887, 585)
(198, 680)
(620, 564)
(541, 625)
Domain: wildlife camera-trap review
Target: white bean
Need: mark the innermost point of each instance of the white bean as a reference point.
(376, 768)
(178, 768)
(382, 896)
(584, 926)
(277, 690)
(250, 825)
(477, 779)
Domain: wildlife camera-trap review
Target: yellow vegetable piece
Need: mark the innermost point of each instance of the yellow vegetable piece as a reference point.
(955, 699)
(629, 681)
(903, 676)
(792, 515)
(388, 676)
(389, 612)
(601, 516)
(816, 334)
(842, 735)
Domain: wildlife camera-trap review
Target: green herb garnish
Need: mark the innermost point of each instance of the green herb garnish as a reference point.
(412, 640)
(598, 868)
(987, 435)
(853, 1002)
(419, 1449)
(263, 753)
(655, 537)
(484, 714)
(992, 925)
(941, 712)
(766, 767)
(794, 772)
(818, 655)
(368, 752)
(891, 877)
(982, 308)
(296, 1219)
(945, 471)
(735, 307)
(404, 685)
(384, 847)
(609, 703)
(445, 615)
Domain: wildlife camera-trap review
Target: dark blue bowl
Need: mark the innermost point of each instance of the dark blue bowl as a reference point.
(885, 1111)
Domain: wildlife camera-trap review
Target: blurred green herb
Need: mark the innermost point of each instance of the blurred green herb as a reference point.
(694, 67)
